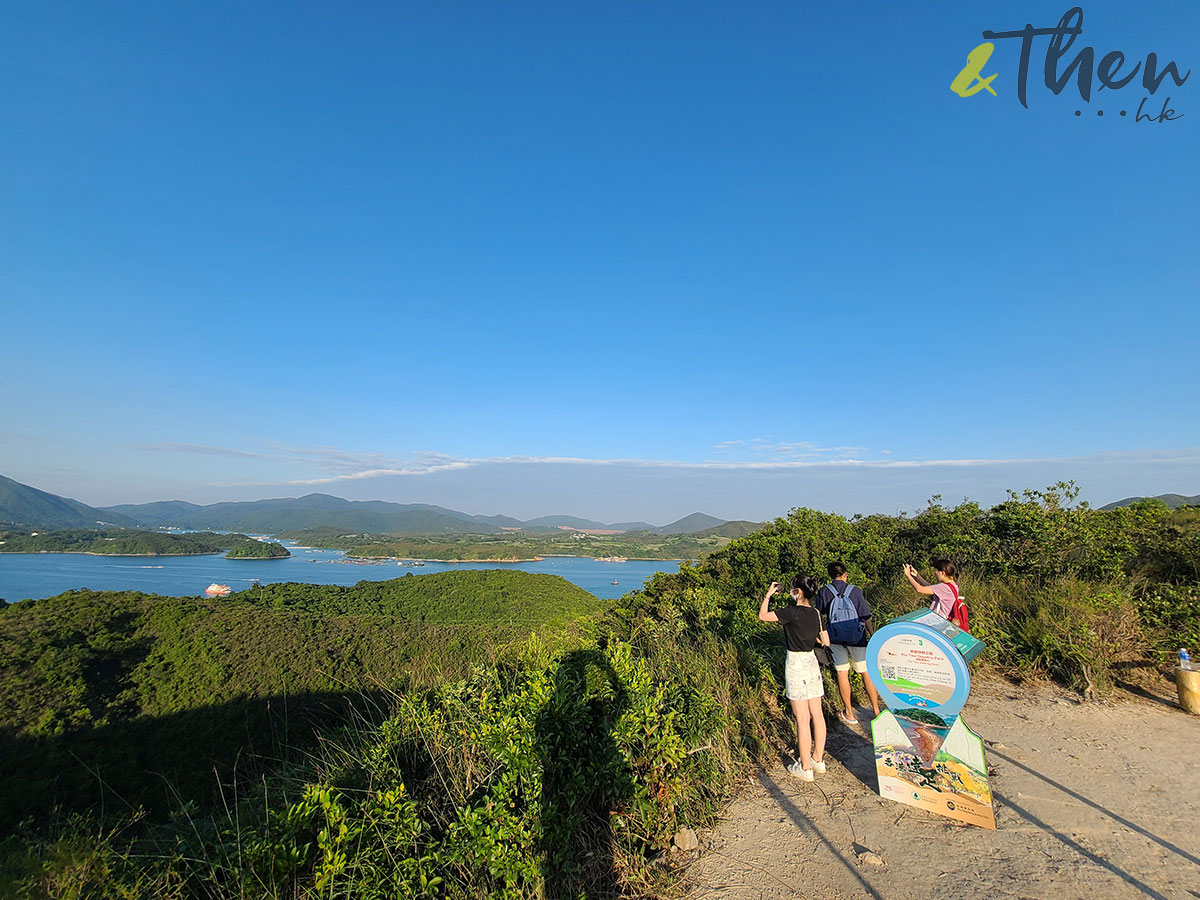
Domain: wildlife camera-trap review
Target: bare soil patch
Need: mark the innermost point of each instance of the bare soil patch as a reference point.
(1096, 800)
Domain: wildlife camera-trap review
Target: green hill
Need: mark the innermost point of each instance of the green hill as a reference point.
(134, 542)
(253, 549)
(1171, 501)
(310, 511)
(510, 545)
(160, 512)
(633, 526)
(129, 689)
(554, 523)
(735, 529)
(22, 505)
(194, 651)
(692, 524)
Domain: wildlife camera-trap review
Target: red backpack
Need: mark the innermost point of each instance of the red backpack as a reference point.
(958, 612)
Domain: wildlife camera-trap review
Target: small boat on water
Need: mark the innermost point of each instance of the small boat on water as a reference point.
(218, 590)
(614, 581)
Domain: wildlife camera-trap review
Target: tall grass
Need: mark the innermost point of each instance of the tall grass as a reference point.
(1069, 630)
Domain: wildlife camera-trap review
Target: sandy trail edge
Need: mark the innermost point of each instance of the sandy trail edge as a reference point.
(1093, 800)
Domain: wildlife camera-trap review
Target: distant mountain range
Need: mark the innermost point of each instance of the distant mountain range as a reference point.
(1173, 501)
(22, 505)
(311, 511)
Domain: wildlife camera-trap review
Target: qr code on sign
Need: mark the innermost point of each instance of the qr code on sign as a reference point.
(888, 672)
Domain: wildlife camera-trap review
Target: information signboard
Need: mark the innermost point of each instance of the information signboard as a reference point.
(925, 755)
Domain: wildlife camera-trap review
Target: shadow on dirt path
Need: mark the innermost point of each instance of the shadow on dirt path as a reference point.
(1076, 786)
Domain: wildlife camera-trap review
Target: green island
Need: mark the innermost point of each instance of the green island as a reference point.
(915, 714)
(511, 546)
(136, 542)
(255, 549)
(500, 734)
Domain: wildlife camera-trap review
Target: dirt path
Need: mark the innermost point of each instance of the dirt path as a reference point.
(1093, 800)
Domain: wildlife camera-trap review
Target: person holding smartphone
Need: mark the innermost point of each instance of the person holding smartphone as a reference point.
(802, 631)
(947, 597)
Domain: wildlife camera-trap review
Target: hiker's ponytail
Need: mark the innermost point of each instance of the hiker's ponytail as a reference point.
(807, 585)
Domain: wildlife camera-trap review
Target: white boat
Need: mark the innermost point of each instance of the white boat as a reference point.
(218, 590)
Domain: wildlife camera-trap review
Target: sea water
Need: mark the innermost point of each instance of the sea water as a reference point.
(36, 575)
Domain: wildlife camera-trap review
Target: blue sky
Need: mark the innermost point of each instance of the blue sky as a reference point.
(623, 260)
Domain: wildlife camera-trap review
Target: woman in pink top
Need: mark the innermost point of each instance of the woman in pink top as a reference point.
(945, 593)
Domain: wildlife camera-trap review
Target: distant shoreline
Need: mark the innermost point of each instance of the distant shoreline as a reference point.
(417, 559)
(348, 556)
(427, 559)
(633, 559)
(512, 559)
(128, 555)
(136, 555)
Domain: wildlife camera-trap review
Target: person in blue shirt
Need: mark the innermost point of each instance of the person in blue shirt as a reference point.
(850, 654)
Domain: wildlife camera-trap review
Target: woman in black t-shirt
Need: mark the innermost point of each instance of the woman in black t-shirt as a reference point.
(802, 675)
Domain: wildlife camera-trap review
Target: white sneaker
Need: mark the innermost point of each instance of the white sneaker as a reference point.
(819, 766)
(802, 774)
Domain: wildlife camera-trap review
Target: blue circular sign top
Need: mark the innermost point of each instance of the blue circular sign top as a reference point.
(915, 667)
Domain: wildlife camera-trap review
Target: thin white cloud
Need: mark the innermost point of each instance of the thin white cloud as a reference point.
(790, 450)
(341, 465)
(442, 463)
(338, 463)
(375, 473)
(204, 449)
